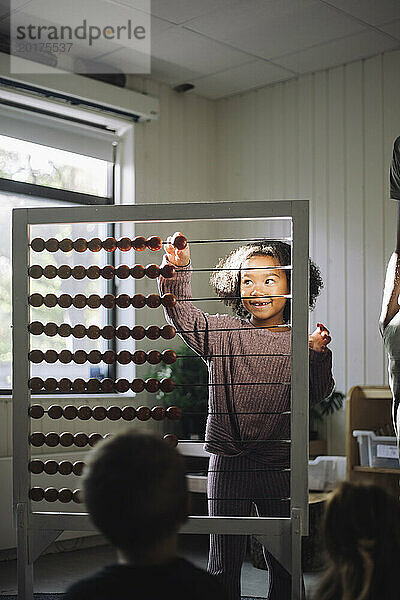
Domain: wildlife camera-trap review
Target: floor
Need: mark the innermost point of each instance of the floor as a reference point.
(54, 575)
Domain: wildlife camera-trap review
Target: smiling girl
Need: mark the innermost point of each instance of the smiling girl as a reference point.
(248, 359)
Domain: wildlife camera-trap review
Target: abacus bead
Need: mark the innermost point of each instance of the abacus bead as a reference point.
(37, 245)
(143, 413)
(35, 271)
(152, 271)
(169, 357)
(128, 413)
(36, 466)
(99, 413)
(168, 271)
(180, 242)
(52, 439)
(152, 385)
(65, 301)
(51, 467)
(122, 385)
(79, 385)
(51, 245)
(65, 356)
(80, 245)
(51, 494)
(137, 271)
(36, 328)
(138, 332)
(51, 356)
(94, 438)
(65, 385)
(37, 438)
(55, 411)
(107, 385)
(65, 467)
(77, 467)
(124, 244)
(65, 495)
(94, 301)
(64, 272)
(123, 301)
(50, 329)
(154, 243)
(123, 332)
(139, 357)
(152, 332)
(50, 271)
(171, 439)
(94, 245)
(158, 413)
(64, 330)
(139, 243)
(138, 301)
(80, 357)
(93, 332)
(124, 357)
(174, 413)
(50, 300)
(154, 357)
(108, 332)
(93, 385)
(109, 357)
(77, 496)
(168, 300)
(79, 331)
(70, 412)
(35, 384)
(108, 301)
(114, 413)
(84, 413)
(153, 300)
(35, 356)
(137, 385)
(167, 385)
(79, 301)
(35, 300)
(36, 494)
(107, 272)
(122, 272)
(66, 245)
(36, 411)
(66, 439)
(94, 357)
(110, 244)
(81, 439)
(93, 272)
(78, 272)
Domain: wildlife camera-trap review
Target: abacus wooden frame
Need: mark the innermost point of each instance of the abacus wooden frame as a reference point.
(35, 529)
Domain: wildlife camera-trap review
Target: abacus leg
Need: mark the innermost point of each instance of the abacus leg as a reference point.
(24, 567)
(298, 591)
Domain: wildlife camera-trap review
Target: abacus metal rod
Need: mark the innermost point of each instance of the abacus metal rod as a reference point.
(289, 296)
(235, 240)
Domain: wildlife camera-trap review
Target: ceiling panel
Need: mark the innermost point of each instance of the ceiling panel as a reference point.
(278, 27)
(373, 12)
(338, 52)
(180, 11)
(255, 73)
(392, 28)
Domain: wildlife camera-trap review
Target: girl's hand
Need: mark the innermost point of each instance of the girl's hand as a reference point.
(179, 258)
(319, 339)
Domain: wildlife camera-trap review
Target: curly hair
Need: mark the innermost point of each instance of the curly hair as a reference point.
(226, 282)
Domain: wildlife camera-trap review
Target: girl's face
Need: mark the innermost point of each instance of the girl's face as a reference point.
(261, 282)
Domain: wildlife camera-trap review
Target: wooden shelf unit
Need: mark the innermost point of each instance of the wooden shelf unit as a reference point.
(368, 408)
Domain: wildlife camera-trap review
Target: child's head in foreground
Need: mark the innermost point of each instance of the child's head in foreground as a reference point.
(362, 539)
(135, 490)
(258, 277)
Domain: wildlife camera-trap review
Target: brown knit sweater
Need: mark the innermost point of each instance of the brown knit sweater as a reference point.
(248, 389)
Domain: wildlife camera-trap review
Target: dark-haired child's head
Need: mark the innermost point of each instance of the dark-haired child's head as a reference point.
(135, 490)
(241, 272)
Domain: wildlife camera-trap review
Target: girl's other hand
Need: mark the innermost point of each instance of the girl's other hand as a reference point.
(179, 258)
(319, 339)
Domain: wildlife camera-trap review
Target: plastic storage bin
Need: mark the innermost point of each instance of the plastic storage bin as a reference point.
(380, 451)
(325, 472)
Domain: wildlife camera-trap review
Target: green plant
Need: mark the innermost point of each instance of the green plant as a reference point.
(325, 408)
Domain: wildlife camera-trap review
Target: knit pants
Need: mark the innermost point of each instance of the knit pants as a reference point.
(234, 485)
